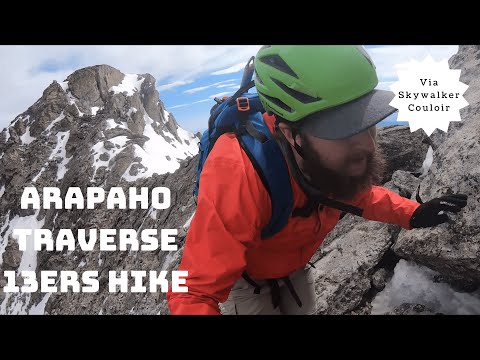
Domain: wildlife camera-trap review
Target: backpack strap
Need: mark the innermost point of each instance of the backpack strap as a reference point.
(267, 159)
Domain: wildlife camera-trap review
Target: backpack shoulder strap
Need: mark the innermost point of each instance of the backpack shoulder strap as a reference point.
(267, 159)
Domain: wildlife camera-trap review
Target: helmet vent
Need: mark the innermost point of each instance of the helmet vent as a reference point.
(258, 79)
(277, 102)
(278, 63)
(304, 98)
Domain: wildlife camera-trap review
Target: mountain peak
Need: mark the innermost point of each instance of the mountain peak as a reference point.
(99, 127)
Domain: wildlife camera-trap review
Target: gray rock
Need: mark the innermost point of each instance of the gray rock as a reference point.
(406, 183)
(113, 133)
(152, 100)
(92, 84)
(104, 157)
(135, 169)
(108, 145)
(436, 139)
(12, 257)
(136, 124)
(347, 263)
(403, 149)
(452, 249)
(380, 278)
(468, 60)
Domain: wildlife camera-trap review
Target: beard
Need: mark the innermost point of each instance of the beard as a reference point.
(336, 184)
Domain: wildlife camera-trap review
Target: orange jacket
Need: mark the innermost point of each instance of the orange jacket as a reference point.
(233, 206)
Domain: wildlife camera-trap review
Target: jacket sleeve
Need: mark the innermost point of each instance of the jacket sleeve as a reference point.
(226, 223)
(381, 204)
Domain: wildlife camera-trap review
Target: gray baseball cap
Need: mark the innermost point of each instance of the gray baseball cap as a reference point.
(351, 118)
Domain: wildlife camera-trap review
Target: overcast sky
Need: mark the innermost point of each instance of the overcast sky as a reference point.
(188, 77)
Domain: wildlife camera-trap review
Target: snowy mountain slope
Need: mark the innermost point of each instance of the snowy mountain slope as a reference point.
(99, 127)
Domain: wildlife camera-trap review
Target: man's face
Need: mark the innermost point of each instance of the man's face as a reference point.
(342, 168)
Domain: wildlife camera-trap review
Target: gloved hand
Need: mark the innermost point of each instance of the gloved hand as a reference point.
(427, 215)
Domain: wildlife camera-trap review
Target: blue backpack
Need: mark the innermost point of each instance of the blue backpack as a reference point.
(241, 114)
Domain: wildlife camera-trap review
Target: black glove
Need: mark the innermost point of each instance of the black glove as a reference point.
(427, 215)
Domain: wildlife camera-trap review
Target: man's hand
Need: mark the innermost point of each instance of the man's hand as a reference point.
(428, 215)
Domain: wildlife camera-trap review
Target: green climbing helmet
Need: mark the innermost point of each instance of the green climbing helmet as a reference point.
(329, 88)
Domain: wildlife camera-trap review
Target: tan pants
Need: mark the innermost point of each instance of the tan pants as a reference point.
(243, 301)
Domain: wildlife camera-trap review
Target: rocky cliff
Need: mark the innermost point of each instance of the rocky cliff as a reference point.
(367, 267)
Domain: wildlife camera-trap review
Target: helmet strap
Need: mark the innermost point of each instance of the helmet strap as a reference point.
(295, 131)
(297, 147)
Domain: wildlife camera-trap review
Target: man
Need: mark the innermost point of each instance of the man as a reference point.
(322, 106)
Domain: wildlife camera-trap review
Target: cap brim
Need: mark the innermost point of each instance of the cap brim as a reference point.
(349, 119)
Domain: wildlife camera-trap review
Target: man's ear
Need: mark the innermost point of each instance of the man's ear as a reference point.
(287, 132)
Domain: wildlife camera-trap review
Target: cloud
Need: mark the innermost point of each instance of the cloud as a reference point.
(224, 86)
(386, 58)
(219, 95)
(173, 84)
(385, 85)
(189, 104)
(197, 89)
(230, 70)
(217, 84)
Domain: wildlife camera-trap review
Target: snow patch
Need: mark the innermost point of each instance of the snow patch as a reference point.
(39, 309)
(19, 117)
(186, 226)
(2, 190)
(17, 305)
(185, 135)
(155, 151)
(166, 114)
(94, 110)
(29, 257)
(59, 118)
(64, 85)
(4, 240)
(131, 111)
(153, 214)
(7, 134)
(72, 101)
(428, 161)
(71, 98)
(168, 260)
(79, 112)
(39, 173)
(60, 151)
(130, 84)
(27, 138)
(111, 124)
(412, 283)
(99, 149)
